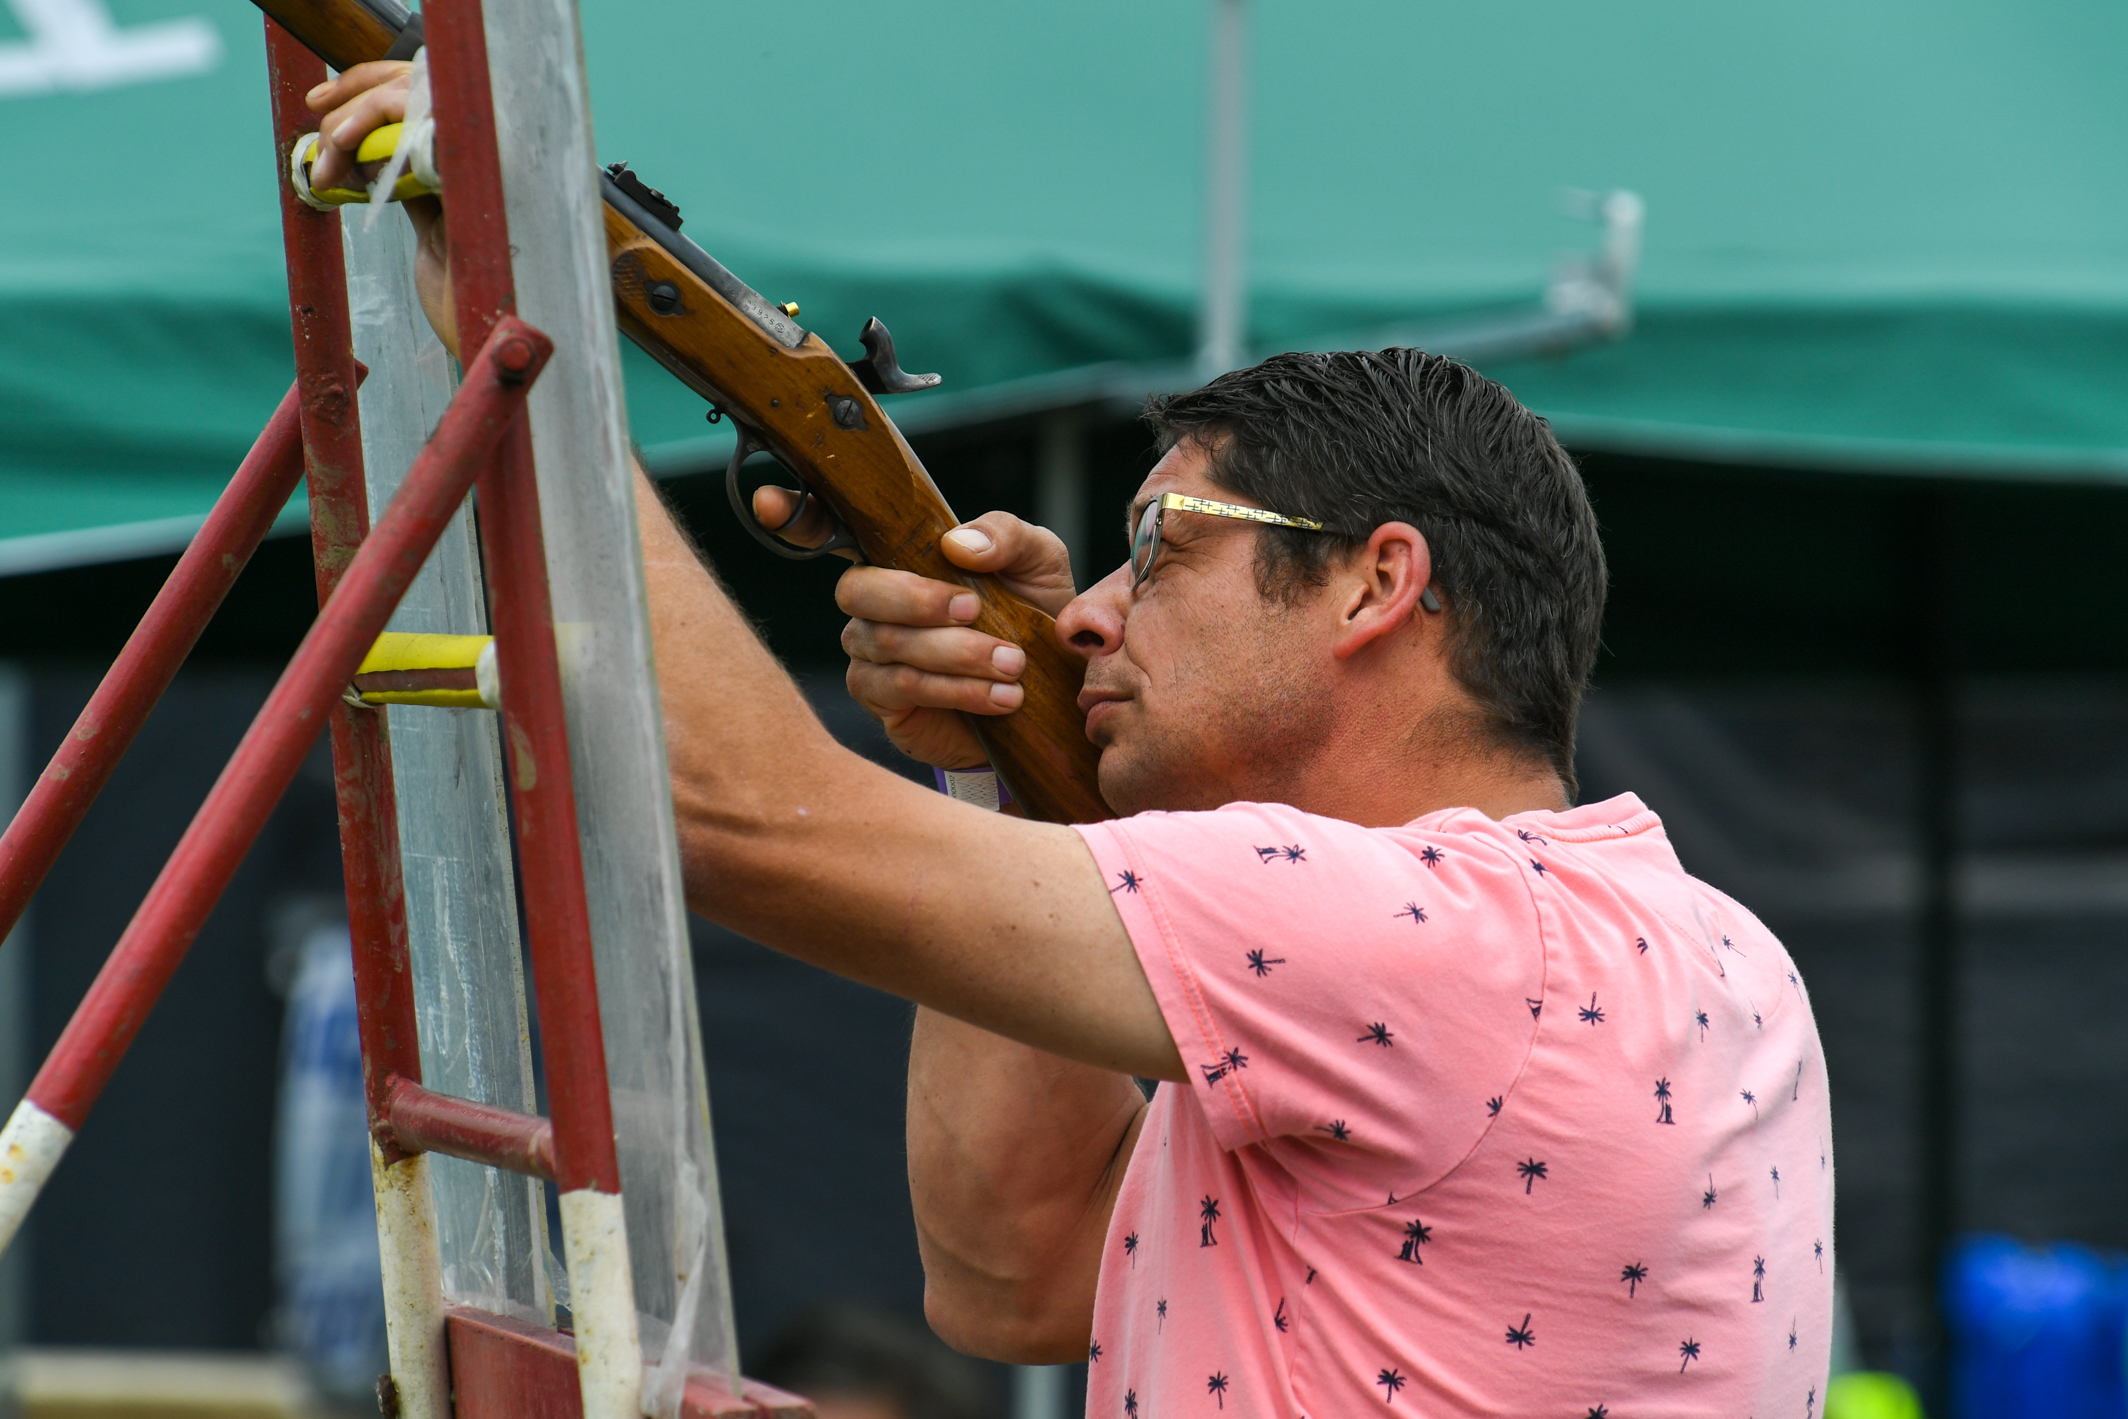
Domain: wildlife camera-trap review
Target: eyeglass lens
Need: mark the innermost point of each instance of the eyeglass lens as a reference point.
(1145, 541)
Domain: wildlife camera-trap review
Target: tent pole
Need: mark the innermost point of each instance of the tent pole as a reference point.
(1937, 963)
(1221, 336)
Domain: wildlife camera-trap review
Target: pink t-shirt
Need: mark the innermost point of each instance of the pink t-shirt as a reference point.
(1484, 1119)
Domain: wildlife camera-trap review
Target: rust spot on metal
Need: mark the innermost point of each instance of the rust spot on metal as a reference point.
(329, 399)
(522, 764)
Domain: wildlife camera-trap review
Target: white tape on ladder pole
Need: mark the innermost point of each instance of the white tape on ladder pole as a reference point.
(413, 1286)
(30, 1147)
(624, 795)
(608, 1346)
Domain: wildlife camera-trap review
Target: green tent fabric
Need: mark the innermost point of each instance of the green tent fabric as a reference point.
(1880, 233)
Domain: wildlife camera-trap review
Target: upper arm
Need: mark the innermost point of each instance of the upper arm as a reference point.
(995, 920)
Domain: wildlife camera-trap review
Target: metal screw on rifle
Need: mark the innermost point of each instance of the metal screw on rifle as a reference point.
(664, 297)
(790, 308)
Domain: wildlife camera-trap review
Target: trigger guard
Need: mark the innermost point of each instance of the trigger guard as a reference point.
(746, 448)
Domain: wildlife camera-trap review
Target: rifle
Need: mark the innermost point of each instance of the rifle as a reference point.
(790, 395)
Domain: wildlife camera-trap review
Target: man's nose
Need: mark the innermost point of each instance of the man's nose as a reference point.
(1092, 624)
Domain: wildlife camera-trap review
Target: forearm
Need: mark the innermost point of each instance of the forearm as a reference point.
(1015, 1156)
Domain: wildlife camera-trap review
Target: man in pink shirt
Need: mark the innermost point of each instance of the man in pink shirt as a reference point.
(1488, 1107)
(1472, 1102)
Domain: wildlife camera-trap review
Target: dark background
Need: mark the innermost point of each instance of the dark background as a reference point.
(1890, 593)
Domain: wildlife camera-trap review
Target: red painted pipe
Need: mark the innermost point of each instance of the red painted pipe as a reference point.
(557, 916)
(143, 670)
(490, 400)
(423, 1121)
(339, 520)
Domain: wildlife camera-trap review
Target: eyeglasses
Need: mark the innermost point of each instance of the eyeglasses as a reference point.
(1145, 538)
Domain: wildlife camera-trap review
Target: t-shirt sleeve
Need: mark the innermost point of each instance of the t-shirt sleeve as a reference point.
(1372, 992)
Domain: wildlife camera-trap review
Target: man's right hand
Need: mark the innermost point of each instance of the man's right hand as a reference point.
(914, 657)
(355, 105)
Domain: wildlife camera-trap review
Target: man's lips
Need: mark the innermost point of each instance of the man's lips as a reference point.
(1093, 703)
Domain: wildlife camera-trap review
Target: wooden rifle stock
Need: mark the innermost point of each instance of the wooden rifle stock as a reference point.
(794, 395)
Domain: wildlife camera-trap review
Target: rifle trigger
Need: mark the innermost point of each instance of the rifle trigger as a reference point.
(879, 371)
(749, 445)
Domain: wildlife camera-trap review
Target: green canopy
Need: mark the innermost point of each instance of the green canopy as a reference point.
(1880, 233)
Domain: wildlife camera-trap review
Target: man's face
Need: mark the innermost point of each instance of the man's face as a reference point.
(1198, 690)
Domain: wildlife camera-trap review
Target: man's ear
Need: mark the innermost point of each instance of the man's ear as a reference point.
(1380, 586)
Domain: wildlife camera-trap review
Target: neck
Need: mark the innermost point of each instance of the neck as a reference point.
(1448, 757)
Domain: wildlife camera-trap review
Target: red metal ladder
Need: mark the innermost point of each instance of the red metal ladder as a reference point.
(485, 1364)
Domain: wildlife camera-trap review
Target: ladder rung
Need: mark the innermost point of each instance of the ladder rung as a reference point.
(424, 1121)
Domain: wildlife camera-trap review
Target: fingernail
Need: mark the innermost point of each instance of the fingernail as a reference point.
(1007, 696)
(341, 132)
(963, 608)
(972, 539)
(1008, 659)
(320, 89)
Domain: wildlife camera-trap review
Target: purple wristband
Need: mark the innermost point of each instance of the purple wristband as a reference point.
(981, 787)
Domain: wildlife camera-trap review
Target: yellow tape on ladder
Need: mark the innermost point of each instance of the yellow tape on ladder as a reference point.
(376, 148)
(450, 672)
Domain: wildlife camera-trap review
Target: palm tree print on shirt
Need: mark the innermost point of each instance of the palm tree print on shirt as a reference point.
(1278, 1317)
(1751, 1099)
(1291, 853)
(1529, 1172)
(1536, 1007)
(1261, 966)
(1217, 1384)
(1590, 1015)
(1690, 1350)
(1126, 881)
(1336, 1129)
(1792, 1331)
(1776, 1183)
(1378, 1033)
(1758, 1279)
(1818, 1249)
(1492, 1106)
(1662, 1102)
(1208, 1211)
(1416, 1235)
(1130, 1404)
(1416, 912)
(1160, 1311)
(1521, 1336)
(1706, 1200)
(1642, 943)
(1633, 1274)
(1538, 865)
(1797, 1092)
(1093, 1353)
(1598, 1411)
(1431, 856)
(1699, 1018)
(1391, 1381)
(1530, 837)
(1130, 1247)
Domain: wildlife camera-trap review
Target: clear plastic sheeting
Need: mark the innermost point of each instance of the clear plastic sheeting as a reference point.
(461, 905)
(624, 797)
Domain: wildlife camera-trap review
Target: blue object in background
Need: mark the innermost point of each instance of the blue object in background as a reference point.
(331, 1295)
(2036, 1332)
